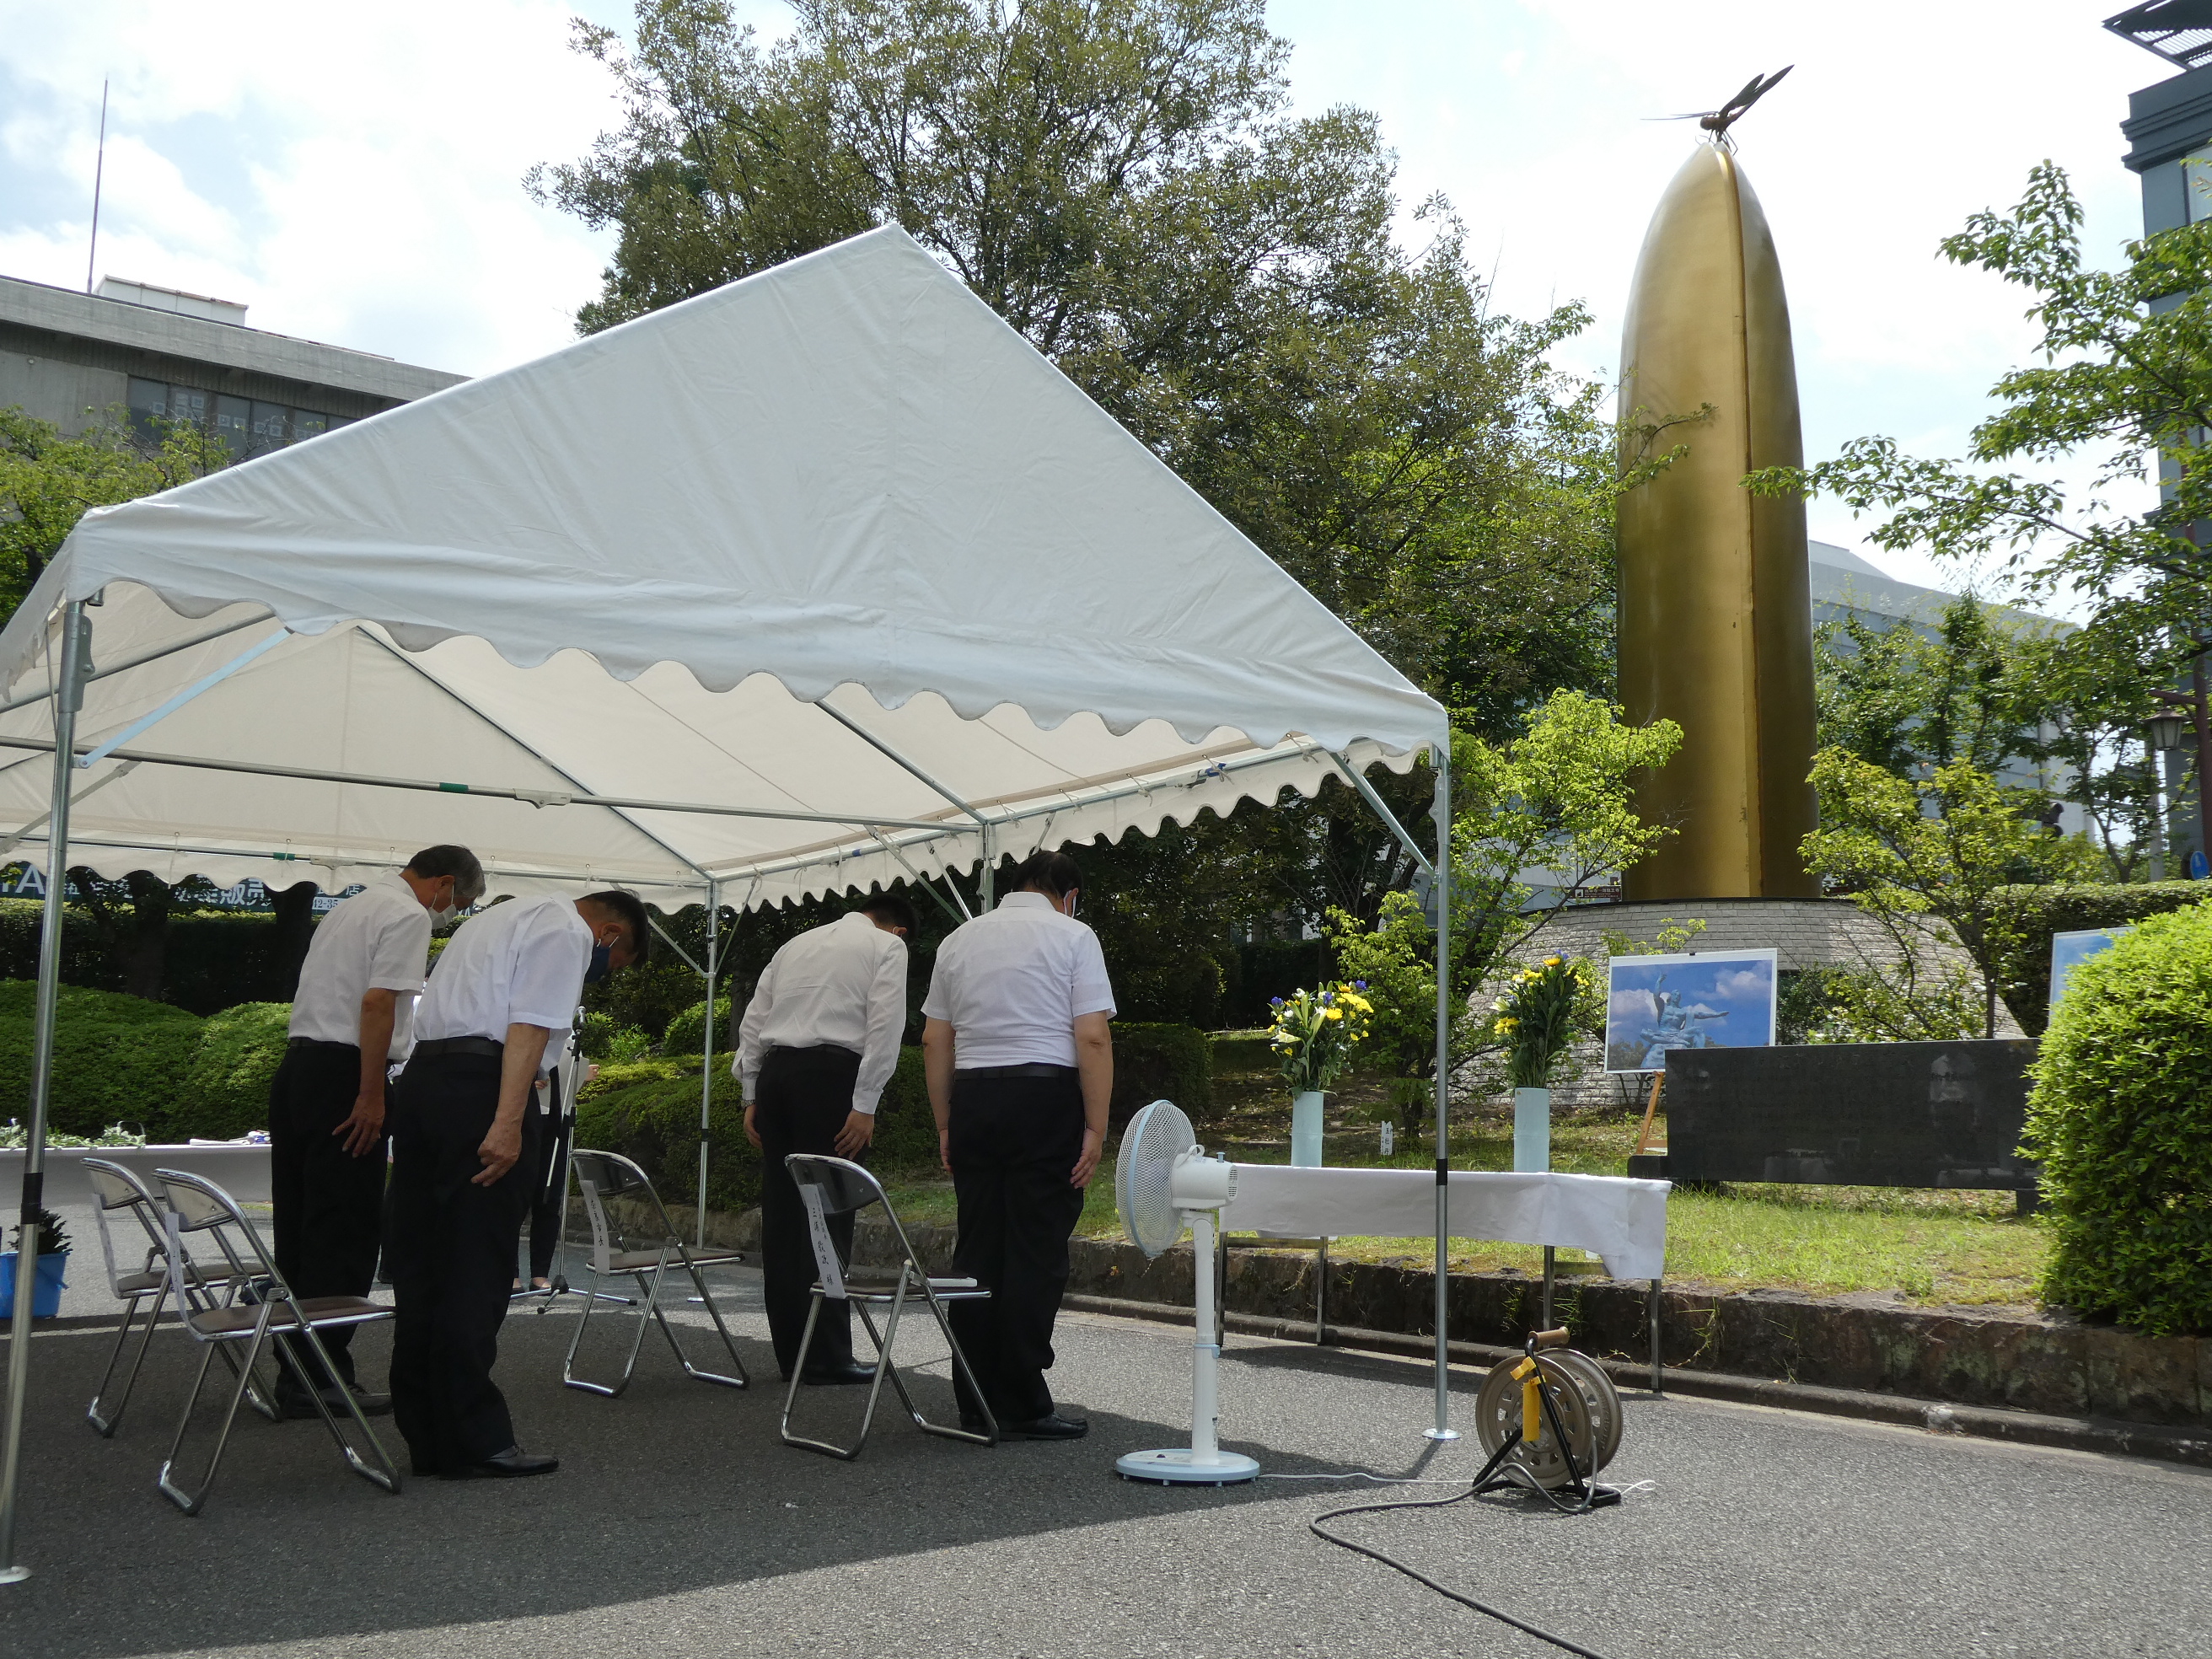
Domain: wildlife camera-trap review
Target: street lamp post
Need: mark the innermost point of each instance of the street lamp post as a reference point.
(2193, 700)
(2163, 733)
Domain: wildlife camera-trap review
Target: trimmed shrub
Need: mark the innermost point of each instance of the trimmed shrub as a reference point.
(656, 1124)
(905, 1129)
(117, 1060)
(226, 1090)
(2121, 1121)
(2033, 914)
(1161, 1062)
(685, 1035)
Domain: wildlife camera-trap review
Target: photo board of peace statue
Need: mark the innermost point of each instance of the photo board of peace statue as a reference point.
(1698, 1000)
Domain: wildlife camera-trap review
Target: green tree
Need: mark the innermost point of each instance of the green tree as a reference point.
(1558, 800)
(1926, 855)
(1118, 179)
(50, 479)
(2126, 377)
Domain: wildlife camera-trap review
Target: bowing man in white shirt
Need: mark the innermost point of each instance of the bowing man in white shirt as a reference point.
(1019, 1052)
(350, 1017)
(464, 1155)
(819, 1040)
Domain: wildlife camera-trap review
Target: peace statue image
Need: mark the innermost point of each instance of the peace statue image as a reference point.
(1715, 606)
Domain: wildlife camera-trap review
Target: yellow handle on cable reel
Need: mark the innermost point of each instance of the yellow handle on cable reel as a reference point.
(1570, 1420)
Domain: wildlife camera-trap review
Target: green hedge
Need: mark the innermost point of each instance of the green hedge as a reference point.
(2034, 913)
(1162, 1062)
(685, 1036)
(2121, 1121)
(211, 959)
(225, 1089)
(117, 1060)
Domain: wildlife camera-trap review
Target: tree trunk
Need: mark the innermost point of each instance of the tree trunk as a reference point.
(142, 950)
(296, 927)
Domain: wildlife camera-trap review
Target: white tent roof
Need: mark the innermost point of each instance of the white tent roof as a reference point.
(832, 543)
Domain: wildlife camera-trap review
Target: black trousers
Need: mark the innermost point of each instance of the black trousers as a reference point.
(1015, 1140)
(329, 1206)
(802, 1099)
(548, 1200)
(450, 1246)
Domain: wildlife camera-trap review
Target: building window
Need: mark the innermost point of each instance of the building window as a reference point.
(246, 427)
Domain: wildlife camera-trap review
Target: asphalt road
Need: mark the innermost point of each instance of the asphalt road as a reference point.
(679, 1526)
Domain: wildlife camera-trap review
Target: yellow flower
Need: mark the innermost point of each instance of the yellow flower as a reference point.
(1507, 1023)
(1333, 1013)
(1551, 962)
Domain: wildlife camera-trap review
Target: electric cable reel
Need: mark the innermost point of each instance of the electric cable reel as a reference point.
(1555, 1417)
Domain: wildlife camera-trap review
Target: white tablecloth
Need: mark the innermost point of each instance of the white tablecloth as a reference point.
(1622, 1220)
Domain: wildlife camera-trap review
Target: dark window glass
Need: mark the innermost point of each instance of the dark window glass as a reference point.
(306, 423)
(149, 405)
(337, 421)
(187, 404)
(233, 420)
(268, 428)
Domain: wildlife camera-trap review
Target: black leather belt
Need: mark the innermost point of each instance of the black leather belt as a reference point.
(482, 1047)
(318, 1043)
(1016, 1070)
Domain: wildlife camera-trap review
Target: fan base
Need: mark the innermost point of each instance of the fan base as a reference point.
(1177, 1467)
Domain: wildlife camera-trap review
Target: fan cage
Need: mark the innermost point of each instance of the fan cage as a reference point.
(1158, 1135)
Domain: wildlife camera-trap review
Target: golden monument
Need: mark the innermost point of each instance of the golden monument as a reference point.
(1716, 605)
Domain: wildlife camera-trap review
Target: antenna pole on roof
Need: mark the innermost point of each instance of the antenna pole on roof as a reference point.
(99, 169)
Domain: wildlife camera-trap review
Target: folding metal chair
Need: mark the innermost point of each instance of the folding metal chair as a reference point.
(833, 1186)
(200, 1207)
(603, 1176)
(116, 1189)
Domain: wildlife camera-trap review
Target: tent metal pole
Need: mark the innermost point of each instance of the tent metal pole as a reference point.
(1441, 759)
(69, 697)
(987, 886)
(899, 760)
(1359, 780)
(495, 791)
(922, 881)
(706, 1074)
(200, 687)
(144, 657)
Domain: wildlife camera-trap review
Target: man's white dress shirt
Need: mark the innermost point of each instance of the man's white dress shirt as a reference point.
(844, 985)
(518, 964)
(377, 941)
(1012, 983)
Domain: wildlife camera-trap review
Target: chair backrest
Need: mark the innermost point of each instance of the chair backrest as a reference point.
(843, 1184)
(119, 1188)
(602, 1175)
(198, 1205)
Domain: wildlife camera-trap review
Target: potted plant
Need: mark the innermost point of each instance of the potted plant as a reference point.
(1313, 1035)
(53, 1248)
(1535, 1023)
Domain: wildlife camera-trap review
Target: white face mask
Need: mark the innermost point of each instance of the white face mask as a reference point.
(442, 914)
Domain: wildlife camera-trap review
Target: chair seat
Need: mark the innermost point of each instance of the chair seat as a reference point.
(139, 1284)
(220, 1324)
(874, 1285)
(644, 1261)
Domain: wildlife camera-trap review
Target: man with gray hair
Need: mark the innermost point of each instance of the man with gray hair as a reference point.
(351, 1020)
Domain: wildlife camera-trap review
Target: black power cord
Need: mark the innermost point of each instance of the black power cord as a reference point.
(1484, 1607)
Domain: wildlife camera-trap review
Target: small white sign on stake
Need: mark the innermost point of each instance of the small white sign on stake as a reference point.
(826, 1265)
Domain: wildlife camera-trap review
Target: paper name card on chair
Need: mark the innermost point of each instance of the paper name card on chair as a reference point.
(825, 1253)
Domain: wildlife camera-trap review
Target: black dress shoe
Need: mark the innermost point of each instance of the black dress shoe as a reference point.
(1051, 1426)
(512, 1464)
(852, 1371)
(300, 1405)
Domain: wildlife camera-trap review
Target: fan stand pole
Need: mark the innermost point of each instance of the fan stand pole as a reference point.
(1204, 1352)
(1203, 1463)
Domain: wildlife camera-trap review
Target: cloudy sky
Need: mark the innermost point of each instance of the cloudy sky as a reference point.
(353, 173)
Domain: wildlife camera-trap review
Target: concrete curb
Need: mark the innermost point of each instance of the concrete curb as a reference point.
(2020, 1428)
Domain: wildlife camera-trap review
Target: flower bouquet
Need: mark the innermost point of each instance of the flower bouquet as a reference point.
(1535, 1019)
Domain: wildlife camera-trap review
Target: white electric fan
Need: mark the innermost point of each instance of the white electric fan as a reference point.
(1163, 1183)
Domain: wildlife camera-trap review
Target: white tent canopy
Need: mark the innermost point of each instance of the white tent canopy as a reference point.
(817, 581)
(833, 542)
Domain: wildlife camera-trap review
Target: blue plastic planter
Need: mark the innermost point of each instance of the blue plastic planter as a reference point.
(47, 1294)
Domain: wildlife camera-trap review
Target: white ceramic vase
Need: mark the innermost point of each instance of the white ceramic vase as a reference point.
(1532, 1129)
(1305, 1130)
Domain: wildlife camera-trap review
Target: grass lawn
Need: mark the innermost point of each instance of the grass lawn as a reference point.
(1929, 1247)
